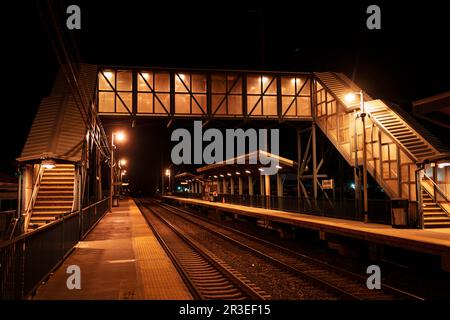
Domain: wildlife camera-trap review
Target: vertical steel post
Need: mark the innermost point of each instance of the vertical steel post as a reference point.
(279, 185)
(314, 157)
(111, 189)
(299, 160)
(241, 187)
(363, 118)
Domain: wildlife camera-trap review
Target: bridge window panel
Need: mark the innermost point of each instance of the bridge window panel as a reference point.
(254, 84)
(321, 96)
(322, 109)
(198, 104)
(270, 105)
(162, 82)
(234, 83)
(385, 138)
(145, 81)
(124, 80)
(198, 84)
(393, 185)
(123, 102)
(106, 101)
(218, 83)
(218, 104)
(145, 103)
(331, 107)
(269, 85)
(332, 126)
(182, 82)
(344, 131)
(304, 87)
(288, 85)
(235, 104)
(318, 85)
(182, 104)
(288, 106)
(392, 151)
(162, 100)
(254, 105)
(106, 80)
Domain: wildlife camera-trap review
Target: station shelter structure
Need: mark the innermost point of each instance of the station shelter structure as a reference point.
(65, 160)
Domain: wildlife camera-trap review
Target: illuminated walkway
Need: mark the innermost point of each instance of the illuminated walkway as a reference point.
(119, 259)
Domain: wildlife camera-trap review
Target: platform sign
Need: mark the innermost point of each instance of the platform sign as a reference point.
(328, 184)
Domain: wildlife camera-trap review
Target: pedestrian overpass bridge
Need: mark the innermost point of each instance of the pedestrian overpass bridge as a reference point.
(403, 158)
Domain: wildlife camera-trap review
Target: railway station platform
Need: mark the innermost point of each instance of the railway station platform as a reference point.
(120, 259)
(429, 241)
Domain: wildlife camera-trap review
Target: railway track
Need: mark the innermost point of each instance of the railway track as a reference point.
(345, 284)
(206, 276)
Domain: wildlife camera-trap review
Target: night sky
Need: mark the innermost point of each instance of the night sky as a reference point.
(407, 59)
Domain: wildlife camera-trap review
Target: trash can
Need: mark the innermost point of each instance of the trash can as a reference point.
(115, 201)
(399, 213)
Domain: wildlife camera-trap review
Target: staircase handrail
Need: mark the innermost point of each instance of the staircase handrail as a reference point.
(33, 197)
(439, 190)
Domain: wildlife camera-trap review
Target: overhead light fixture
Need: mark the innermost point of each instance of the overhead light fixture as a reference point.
(108, 75)
(118, 136)
(238, 173)
(221, 175)
(247, 171)
(48, 164)
(229, 174)
(215, 177)
(443, 165)
(350, 97)
(261, 169)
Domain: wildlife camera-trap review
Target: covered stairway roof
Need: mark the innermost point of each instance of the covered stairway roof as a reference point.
(58, 129)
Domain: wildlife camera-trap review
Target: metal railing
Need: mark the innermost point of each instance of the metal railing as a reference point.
(5, 222)
(27, 260)
(379, 210)
(436, 188)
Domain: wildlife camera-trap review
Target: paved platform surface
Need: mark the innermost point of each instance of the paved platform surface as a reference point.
(434, 241)
(120, 259)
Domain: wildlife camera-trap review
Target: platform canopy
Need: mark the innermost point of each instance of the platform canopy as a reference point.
(242, 165)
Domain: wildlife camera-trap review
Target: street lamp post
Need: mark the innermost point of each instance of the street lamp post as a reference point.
(168, 175)
(351, 97)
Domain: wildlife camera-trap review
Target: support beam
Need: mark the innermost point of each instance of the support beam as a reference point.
(261, 184)
(267, 185)
(299, 161)
(250, 185)
(241, 187)
(314, 158)
(231, 185)
(225, 186)
(219, 187)
(279, 185)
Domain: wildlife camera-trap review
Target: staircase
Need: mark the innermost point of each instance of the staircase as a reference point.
(433, 215)
(386, 118)
(395, 143)
(55, 196)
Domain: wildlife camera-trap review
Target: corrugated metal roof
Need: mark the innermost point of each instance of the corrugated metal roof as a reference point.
(58, 129)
